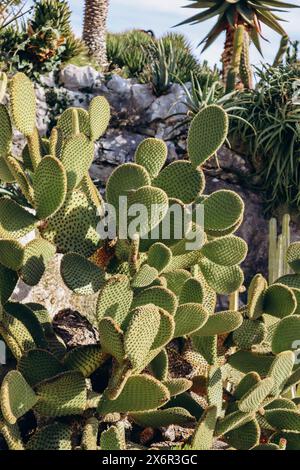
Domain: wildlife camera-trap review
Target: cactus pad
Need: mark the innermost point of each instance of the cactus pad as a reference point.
(81, 275)
(16, 396)
(279, 301)
(141, 393)
(115, 299)
(223, 210)
(151, 154)
(111, 338)
(141, 332)
(223, 279)
(73, 227)
(5, 132)
(15, 222)
(23, 110)
(11, 254)
(159, 256)
(62, 395)
(37, 254)
(85, 359)
(37, 365)
(77, 156)
(159, 296)
(226, 251)
(207, 133)
(159, 418)
(99, 117)
(181, 181)
(286, 333)
(50, 186)
(202, 438)
(221, 323)
(189, 318)
(250, 333)
(55, 436)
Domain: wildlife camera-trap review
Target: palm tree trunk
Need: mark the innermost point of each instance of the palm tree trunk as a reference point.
(228, 52)
(94, 29)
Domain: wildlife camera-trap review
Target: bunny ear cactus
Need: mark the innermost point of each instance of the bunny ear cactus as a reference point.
(165, 357)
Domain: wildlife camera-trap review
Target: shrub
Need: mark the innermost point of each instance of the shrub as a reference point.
(44, 43)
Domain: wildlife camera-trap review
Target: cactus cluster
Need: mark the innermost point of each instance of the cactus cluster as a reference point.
(156, 299)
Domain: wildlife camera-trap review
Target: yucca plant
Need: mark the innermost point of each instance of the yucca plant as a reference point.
(238, 17)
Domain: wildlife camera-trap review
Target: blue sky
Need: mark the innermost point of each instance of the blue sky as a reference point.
(161, 15)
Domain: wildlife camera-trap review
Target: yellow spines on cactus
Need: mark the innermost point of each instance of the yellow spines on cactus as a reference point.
(23, 104)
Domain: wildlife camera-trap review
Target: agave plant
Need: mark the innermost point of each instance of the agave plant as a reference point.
(249, 15)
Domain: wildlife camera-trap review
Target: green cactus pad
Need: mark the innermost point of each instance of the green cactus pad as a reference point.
(141, 332)
(256, 293)
(293, 256)
(223, 209)
(254, 398)
(37, 365)
(292, 439)
(140, 393)
(159, 296)
(115, 299)
(246, 437)
(192, 291)
(250, 333)
(6, 175)
(12, 436)
(247, 361)
(90, 434)
(144, 277)
(62, 395)
(207, 134)
(151, 154)
(233, 421)
(247, 382)
(215, 388)
(226, 251)
(15, 222)
(73, 227)
(5, 132)
(16, 396)
(221, 323)
(284, 420)
(23, 110)
(189, 318)
(65, 122)
(159, 365)
(85, 359)
(11, 254)
(207, 347)
(20, 178)
(165, 332)
(281, 370)
(124, 179)
(111, 338)
(77, 157)
(176, 279)
(286, 333)
(181, 181)
(223, 279)
(155, 203)
(113, 438)
(266, 447)
(50, 187)
(202, 438)
(177, 386)
(37, 254)
(81, 275)
(99, 117)
(55, 436)
(294, 379)
(279, 301)
(159, 256)
(163, 418)
(15, 335)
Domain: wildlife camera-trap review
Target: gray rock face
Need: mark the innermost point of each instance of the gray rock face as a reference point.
(74, 78)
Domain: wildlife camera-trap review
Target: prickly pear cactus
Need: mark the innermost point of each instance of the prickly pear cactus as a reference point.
(168, 357)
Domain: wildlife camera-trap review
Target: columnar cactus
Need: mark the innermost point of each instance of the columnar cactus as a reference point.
(153, 293)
